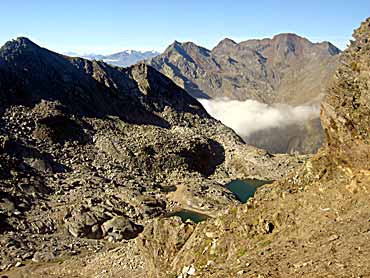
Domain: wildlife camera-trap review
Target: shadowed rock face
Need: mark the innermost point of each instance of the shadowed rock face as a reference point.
(30, 73)
(305, 137)
(205, 157)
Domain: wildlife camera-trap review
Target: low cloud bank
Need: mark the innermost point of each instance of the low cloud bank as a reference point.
(250, 118)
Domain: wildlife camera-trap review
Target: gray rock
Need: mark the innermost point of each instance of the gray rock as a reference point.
(83, 222)
(39, 164)
(43, 256)
(120, 227)
(6, 205)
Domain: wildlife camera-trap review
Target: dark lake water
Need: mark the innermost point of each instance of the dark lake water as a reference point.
(185, 214)
(244, 189)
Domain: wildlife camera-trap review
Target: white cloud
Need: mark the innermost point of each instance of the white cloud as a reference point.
(250, 116)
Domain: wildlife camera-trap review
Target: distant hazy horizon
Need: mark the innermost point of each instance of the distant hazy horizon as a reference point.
(113, 26)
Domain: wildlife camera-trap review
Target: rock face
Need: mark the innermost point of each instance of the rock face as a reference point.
(345, 112)
(287, 69)
(90, 154)
(323, 206)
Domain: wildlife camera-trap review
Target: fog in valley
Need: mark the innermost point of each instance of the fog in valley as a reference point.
(277, 127)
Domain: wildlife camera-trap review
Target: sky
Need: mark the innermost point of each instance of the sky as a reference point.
(108, 26)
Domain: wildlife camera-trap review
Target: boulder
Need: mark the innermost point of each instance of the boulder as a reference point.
(120, 227)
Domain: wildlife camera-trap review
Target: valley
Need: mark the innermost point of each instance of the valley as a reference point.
(250, 159)
(89, 153)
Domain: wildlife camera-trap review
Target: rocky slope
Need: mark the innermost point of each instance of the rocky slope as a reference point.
(90, 153)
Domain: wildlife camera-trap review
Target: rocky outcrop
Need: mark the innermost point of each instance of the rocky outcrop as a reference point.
(345, 112)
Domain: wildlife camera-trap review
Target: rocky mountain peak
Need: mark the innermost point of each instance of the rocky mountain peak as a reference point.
(18, 46)
(287, 44)
(194, 49)
(266, 63)
(21, 42)
(126, 58)
(176, 42)
(188, 51)
(225, 43)
(288, 37)
(298, 45)
(187, 47)
(24, 40)
(284, 69)
(330, 48)
(175, 46)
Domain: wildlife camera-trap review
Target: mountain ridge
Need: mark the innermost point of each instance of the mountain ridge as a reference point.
(285, 69)
(263, 62)
(123, 58)
(95, 75)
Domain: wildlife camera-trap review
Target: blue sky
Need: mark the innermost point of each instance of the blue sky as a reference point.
(108, 26)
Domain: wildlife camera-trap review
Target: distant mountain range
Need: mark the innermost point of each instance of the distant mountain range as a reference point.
(287, 68)
(122, 59)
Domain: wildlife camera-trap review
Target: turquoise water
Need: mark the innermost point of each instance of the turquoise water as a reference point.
(244, 189)
(190, 215)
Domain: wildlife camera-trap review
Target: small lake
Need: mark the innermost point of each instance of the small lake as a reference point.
(244, 189)
(185, 214)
